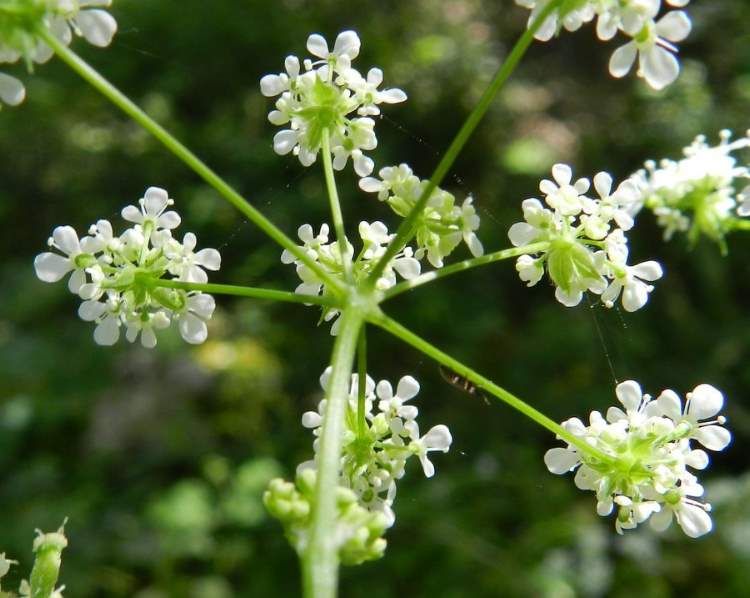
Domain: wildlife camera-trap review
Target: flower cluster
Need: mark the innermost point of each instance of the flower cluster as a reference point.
(700, 194)
(328, 95)
(121, 278)
(651, 40)
(375, 239)
(442, 224)
(649, 446)
(381, 434)
(19, 39)
(585, 247)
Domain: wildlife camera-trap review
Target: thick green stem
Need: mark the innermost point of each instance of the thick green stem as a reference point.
(320, 561)
(490, 258)
(183, 153)
(361, 381)
(256, 293)
(486, 384)
(406, 229)
(333, 199)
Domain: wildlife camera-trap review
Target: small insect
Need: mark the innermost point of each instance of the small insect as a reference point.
(461, 383)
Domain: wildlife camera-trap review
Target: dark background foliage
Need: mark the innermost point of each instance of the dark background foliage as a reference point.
(159, 458)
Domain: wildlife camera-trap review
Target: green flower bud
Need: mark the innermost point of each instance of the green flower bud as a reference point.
(48, 550)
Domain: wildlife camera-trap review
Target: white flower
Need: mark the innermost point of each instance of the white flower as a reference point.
(629, 280)
(692, 515)
(78, 255)
(151, 211)
(563, 197)
(367, 93)
(438, 438)
(655, 53)
(345, 49)
(187, 265)
(703, 403)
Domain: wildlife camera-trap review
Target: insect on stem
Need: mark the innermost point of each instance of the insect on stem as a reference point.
(462, 383)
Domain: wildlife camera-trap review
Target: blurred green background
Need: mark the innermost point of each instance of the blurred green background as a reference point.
(159, 458)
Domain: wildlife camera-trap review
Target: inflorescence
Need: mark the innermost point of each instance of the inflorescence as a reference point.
(651, 40)
(328, 95)
(588, 249)
(117, 277)
(701, 194)
(381, 434)
(20, 39)
(650, 446)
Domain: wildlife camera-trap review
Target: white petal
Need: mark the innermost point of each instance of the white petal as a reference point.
(51, 267)
(659, 66)
(407, 267)
(89, 311)
(370, 185)
(522, 233)
(169, 220)
(661, 520)
(97, 26)
(475, 245)
(407, 388)
(562, 173)
(311, 419)
(317, 46)
(108, 331)
(693, 520)
(568, 299)
(603, 184)
(148, 338)
(648, 270)
(635, 296)
(697, 459)
(347, 44)
(202, 304)
(12, 91)
(132, 214)
(705, 402)
(384, 390)
(273, 85)
(76, 284)
(392, 96)
(427, 466)
(362, 164)
(193, 329)
(714, 438)
(560, 460)
(674, 26)
(438, 438)
(66, 239)
(629, 393)
(155, 199)
(622, 60)
(284, 141)
(669, 404)
(208, 258)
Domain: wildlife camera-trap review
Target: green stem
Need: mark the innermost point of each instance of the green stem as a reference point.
(90, 74)
(361, 381)
(333, 198)
(490, 258)
(405, 230)
(486, 384)
(739, 224)
(240, 291)
(320, 560)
